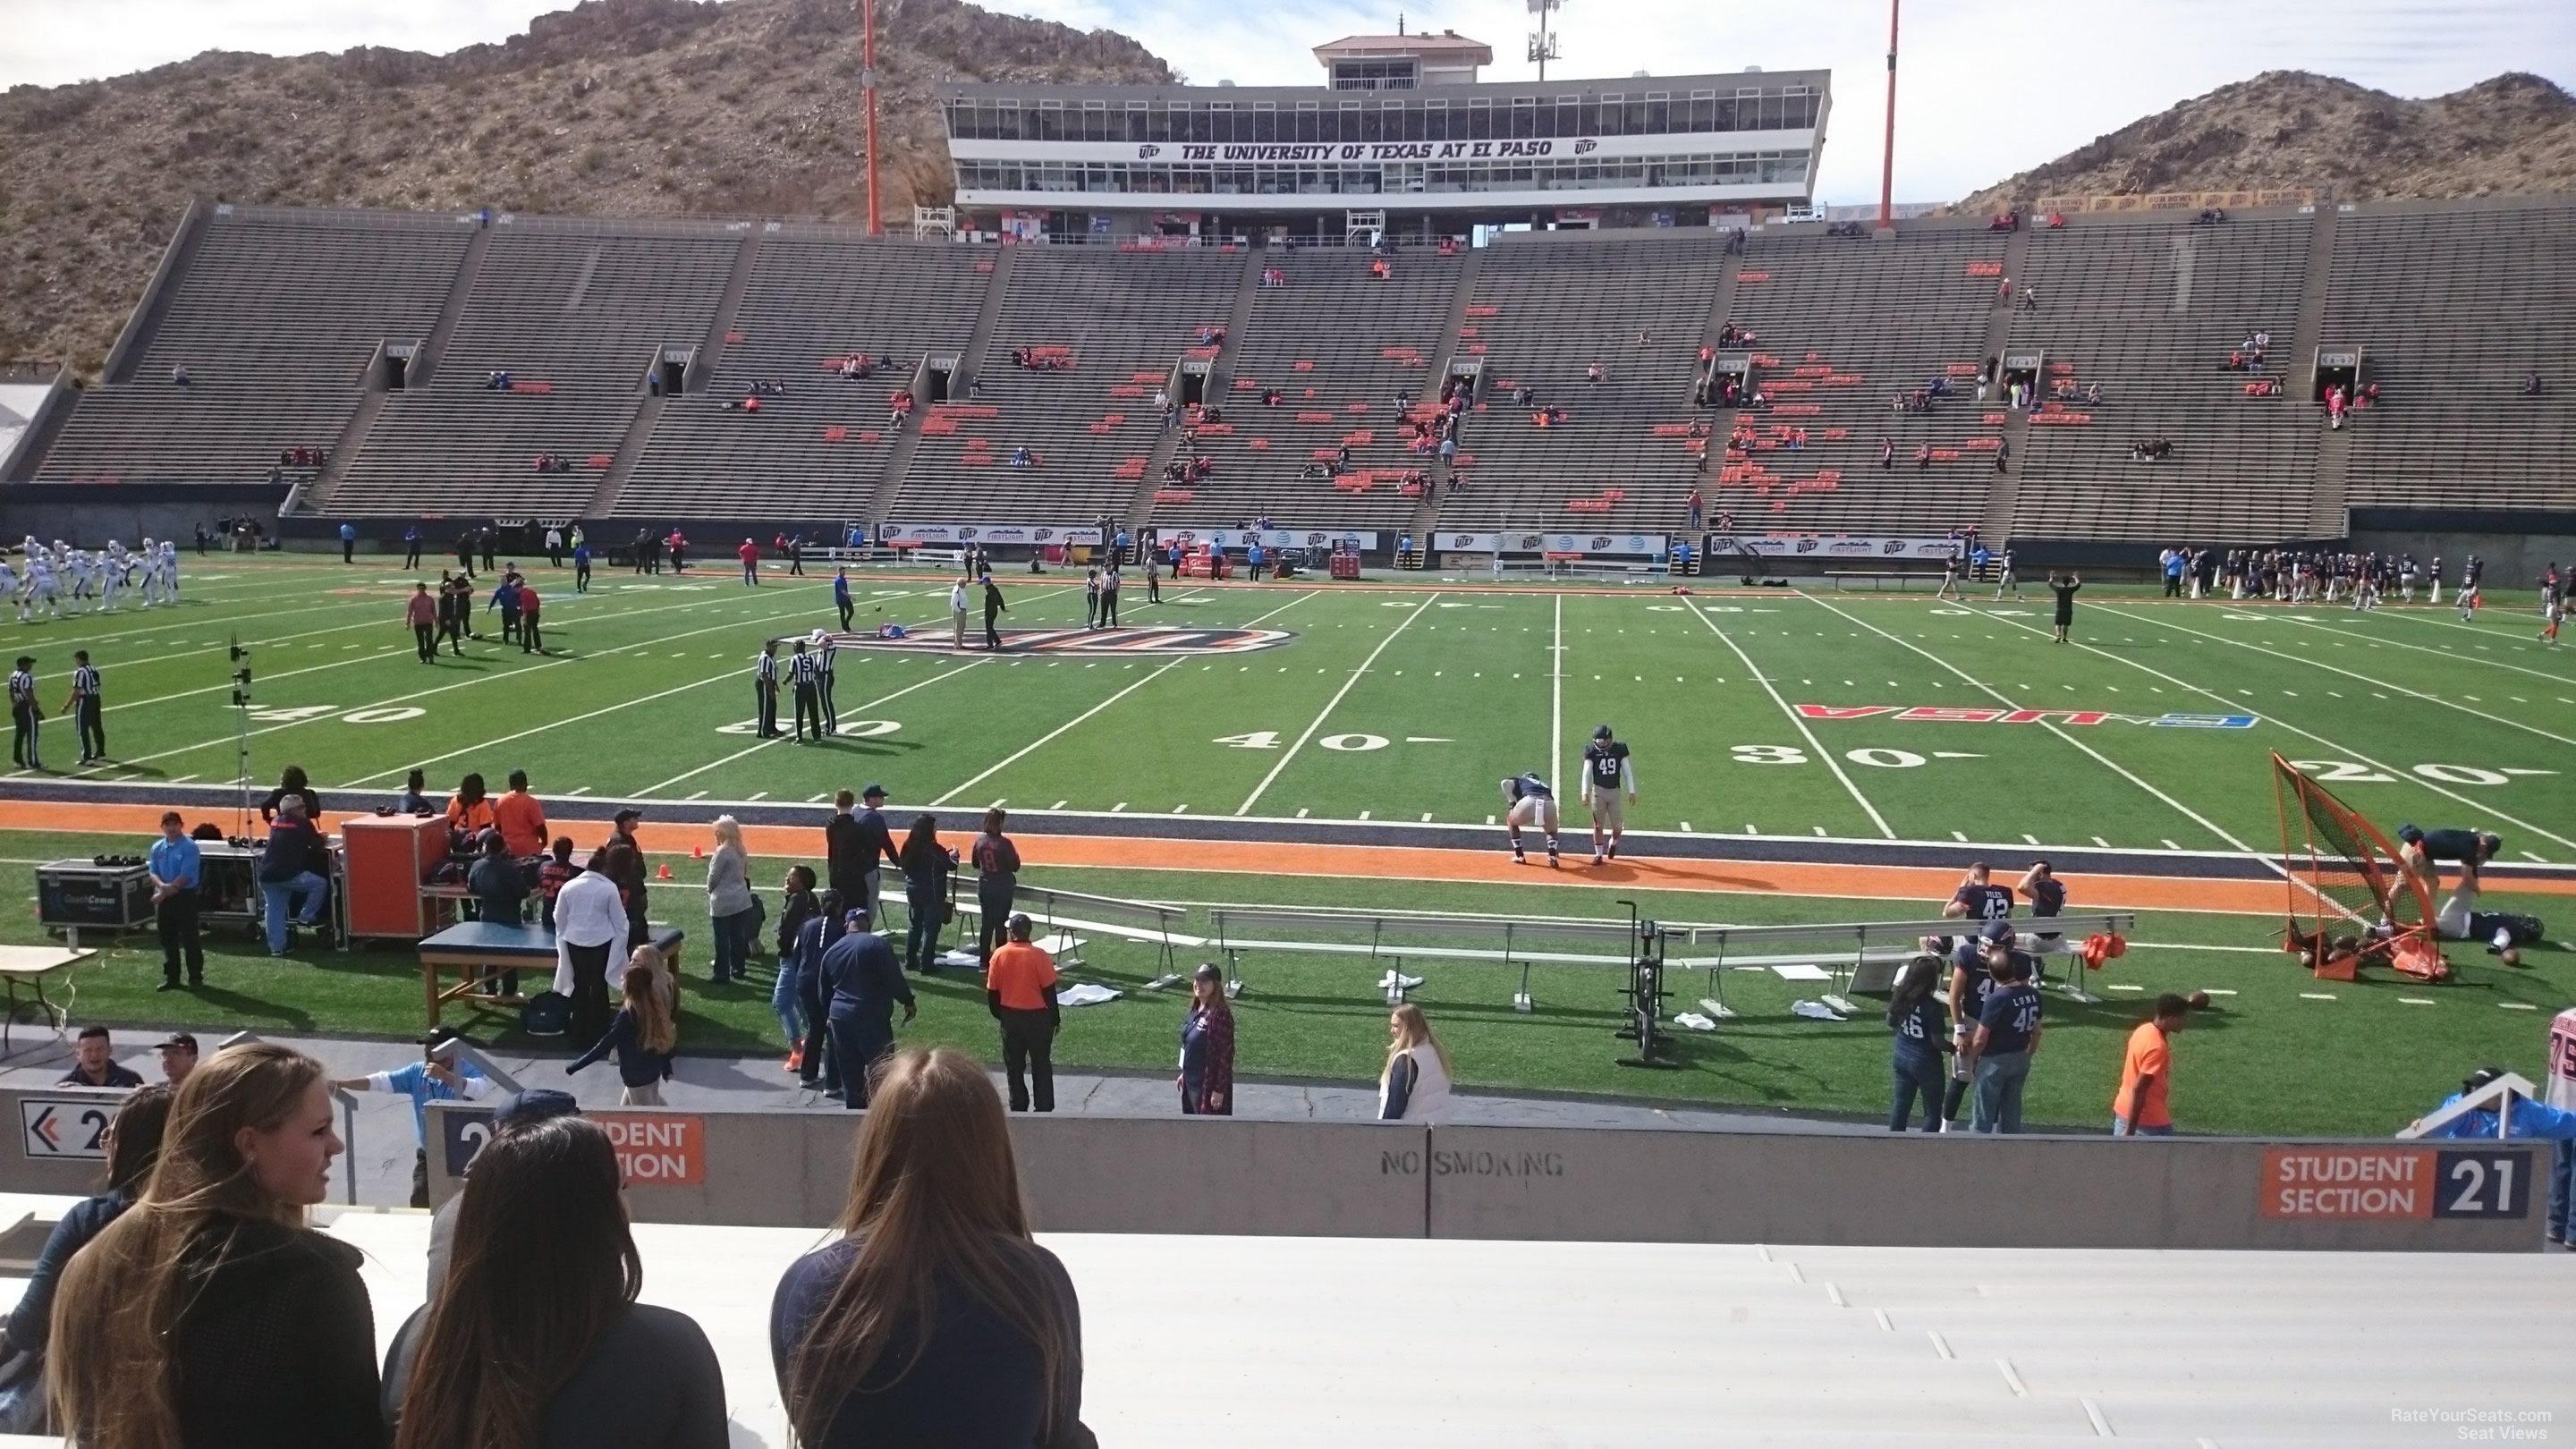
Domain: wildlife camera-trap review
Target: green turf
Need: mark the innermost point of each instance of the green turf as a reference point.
(2411, 715)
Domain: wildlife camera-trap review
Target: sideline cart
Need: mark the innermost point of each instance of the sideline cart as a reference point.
(478, 951)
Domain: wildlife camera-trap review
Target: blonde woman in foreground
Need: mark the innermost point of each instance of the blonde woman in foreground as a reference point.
(1414, 1087)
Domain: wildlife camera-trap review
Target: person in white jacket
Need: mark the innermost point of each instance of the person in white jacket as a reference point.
(957, 605)
(1415, 1085)
(590, 922)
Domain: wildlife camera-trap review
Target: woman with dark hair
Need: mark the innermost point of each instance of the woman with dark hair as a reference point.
(997, 879)
(535, 1340)
(291, 781)
(209, 1314)
(469, 814)
(933, 1318)
(414, 799)
(1922, 1033)
(133, 1144)
(641, 1036)
(1207, 1047)
(926, 866)
(796, 906)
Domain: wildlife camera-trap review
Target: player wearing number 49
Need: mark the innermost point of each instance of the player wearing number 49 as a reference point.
(1609, 788)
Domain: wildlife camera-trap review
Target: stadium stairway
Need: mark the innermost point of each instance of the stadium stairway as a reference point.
(708, 363)
(1216, 390)
(2453, 303)
(2003, 494)
(1426, 512)
(2334, 448)
(178, 259)
(992, 275)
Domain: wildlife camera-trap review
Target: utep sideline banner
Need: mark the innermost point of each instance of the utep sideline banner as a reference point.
(1650, 545)
(1842, 546)
(899, 535)
(1239, 538)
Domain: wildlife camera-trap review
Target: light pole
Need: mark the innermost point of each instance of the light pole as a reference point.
(1887, 164)
(868, 89)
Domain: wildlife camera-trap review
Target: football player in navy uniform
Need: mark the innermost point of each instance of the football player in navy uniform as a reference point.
(1609, 788)
(1529, 802)
(2047, 896)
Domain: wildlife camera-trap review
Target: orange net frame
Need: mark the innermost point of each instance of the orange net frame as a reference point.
(2352, 900)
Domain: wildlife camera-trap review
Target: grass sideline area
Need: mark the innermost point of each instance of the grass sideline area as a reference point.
(1399, 703)
(2268, 1059)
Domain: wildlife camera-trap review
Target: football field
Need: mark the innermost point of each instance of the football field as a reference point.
(1230, 720)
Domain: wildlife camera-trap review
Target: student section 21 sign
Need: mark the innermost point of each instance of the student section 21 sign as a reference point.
(2363, 1184)
(654, 1149)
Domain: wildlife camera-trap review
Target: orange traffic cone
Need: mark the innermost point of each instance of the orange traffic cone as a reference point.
(697, 852)
(665, 870)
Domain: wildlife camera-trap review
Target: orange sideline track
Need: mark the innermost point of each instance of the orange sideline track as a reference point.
(1377, 862)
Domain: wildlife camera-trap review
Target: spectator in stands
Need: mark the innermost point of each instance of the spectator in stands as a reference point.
(475, 1366)
(94, 1063)
(2530, 384)
(1923, 458)
(1914, 1014)
(2003, 454)
(2210, 216)
(642, 1036)
(179, 376)
(2029, 298)
(1414, 1084)
(208, 1313)
(1020, 456)
(1691, 509)
(935, 1233)
(1592, 373)
(1887, 453)
(132, 1143)
(178, 1058)
(2334, 406)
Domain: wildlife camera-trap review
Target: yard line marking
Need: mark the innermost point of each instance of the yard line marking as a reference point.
(1556, 701)
(2169, 845)
(1960, 836)
(2098, 840)
(2415, 1001)
(817, 797)
(2029, 839)
(184, 779)
(2517, 1006)
(2203, 821)
(650, 791)
(1121, 805)
(1686, 825)
(1813, 744)
(2343, 751)
(1057, 805)
(1329, 705)
(1426, 817)
(1181, 809)
(578, 790)
(2316, 996)
(757, 795)
(1059, 731)
(1301, 814)
(2401, 689)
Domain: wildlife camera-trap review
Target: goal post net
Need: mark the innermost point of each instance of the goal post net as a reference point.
(2351, 899)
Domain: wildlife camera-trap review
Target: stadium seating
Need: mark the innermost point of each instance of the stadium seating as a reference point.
(1338, 344)
(1546, 310)
(576, 318)
(274, 318)
(1121, 320)
(1841, 326)
(2453, 309)
(821, 450)
(2151, 309)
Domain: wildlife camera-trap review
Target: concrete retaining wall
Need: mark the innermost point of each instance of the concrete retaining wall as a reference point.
(1360, 1179)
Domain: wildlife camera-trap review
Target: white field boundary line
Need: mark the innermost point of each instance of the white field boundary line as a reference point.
(1061, 730)
(1331, 704)
(169, 618)
(258, 644)
(512, 673)
(730, 671)
(1813, 743)
(945, 674)
(2344, 751)
(2105, 761)
(2366, 679)
(2559, 679)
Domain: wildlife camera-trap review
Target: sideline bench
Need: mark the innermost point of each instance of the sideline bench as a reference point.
(1062, 912)
(1862, 955)
(1877, 576)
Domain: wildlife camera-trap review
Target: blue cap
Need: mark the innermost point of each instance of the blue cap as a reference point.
(536, 1104)
(1998, 930)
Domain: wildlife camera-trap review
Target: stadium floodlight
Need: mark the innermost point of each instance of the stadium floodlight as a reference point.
(1542, 41)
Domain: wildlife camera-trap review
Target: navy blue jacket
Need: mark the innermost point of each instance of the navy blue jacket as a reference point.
(863, 980)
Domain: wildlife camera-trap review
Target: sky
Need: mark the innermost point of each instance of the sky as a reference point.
(1986, 88)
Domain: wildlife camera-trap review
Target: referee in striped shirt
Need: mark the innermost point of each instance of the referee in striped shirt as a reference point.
(807, 673)
(764, 689)
(24, 714)
(827, 652)
(85, 710)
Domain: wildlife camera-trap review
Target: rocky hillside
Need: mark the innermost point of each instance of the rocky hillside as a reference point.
(2514, 135)
(615, 107)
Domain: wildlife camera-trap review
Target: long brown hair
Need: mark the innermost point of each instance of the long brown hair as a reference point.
(654, 1028)
(134, 1139)
(544, 1263)
(1912, 985)
(109, 1368)
(935, 1194)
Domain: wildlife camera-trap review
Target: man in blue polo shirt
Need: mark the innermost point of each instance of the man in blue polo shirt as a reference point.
(436, 1077)
(176, 871)
(2008, 1030)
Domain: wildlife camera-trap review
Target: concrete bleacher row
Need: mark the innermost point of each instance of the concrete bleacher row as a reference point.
(276, 315)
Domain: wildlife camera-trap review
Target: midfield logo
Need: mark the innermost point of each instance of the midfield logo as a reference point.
(1938, 714)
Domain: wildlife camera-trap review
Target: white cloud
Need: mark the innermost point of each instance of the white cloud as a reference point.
(1987, 87)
